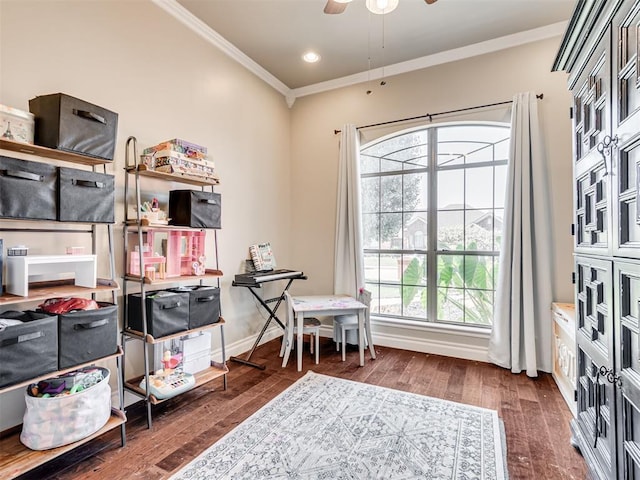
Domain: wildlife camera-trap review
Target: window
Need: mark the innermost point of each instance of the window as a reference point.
(432, 211)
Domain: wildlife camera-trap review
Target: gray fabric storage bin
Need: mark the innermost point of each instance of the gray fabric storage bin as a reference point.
(196, 209)
(29, 349)
(204, 304)
(73, 125)
(27, 189)
(167, 312)
(85, 196)
(86, 335)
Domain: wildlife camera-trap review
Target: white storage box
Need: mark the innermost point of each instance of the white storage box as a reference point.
(195, 349)
(196, 344)
(195, 364)
(16, 125)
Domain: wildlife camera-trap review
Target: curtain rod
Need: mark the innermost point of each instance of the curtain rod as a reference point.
(430, 115)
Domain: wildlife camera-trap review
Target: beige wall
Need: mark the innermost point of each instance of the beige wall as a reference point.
(164, 81)
(278, 166)
(480, 80)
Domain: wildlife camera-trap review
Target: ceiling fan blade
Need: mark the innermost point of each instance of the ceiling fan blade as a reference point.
(332, 7)
(430, 1)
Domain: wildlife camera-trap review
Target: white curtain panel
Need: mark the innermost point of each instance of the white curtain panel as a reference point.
(348, 273)
(521, 335)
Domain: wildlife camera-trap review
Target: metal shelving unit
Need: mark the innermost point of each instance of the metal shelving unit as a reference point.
(139, 226)
(15, 458)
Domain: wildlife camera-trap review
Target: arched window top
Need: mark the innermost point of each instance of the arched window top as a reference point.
(457, 142)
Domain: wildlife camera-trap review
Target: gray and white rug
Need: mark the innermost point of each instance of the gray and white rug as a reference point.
(329, 428)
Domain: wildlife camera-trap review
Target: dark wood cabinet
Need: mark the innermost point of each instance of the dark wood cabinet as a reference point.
(601, 53)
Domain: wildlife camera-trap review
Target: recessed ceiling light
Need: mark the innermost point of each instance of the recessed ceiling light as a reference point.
(311, 57)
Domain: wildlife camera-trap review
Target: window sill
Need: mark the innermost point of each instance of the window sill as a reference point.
(468, 331)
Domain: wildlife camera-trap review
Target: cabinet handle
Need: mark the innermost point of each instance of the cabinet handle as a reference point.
(604, 148)
(610, 375)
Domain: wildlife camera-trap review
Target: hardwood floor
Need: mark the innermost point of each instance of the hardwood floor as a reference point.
(535, 416)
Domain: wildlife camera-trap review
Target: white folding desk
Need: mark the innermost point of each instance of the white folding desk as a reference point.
(324, 305)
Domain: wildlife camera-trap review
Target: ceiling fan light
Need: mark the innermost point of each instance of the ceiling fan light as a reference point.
(381, 7)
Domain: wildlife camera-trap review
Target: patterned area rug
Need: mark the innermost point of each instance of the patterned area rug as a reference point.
(329, 428)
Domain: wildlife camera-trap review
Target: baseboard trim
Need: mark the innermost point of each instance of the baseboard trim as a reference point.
(245, 344)
(447, 348)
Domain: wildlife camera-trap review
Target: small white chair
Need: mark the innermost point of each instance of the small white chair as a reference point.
(344, 323)
(311, 327)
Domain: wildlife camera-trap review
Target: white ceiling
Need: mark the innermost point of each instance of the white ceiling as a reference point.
(275, 33)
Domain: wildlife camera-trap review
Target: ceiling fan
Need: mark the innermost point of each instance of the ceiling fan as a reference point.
(376, 6)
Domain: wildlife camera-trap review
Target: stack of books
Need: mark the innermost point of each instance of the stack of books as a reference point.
(179, 156)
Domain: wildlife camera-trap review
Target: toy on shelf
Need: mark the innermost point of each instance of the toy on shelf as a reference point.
(154, 264)
(170, 362)
(182, 254)
(150, 214)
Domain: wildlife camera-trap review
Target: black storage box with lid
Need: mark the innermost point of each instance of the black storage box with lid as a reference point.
(204, 304)
(86, 335)
(27, 189)
(196, 209)
(167, 312)
(28, 349)
(67, 123)
(85, 196)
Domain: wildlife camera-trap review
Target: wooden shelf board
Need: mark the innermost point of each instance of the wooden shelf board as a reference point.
(151, 339)
(216, 370)
(59, 288)
(50, 153)
(16, 459)
(184, 278)
(173, 177)
(59, 372)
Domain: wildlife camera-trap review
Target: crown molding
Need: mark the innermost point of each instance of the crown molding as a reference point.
(489, 46)
(173, 8)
